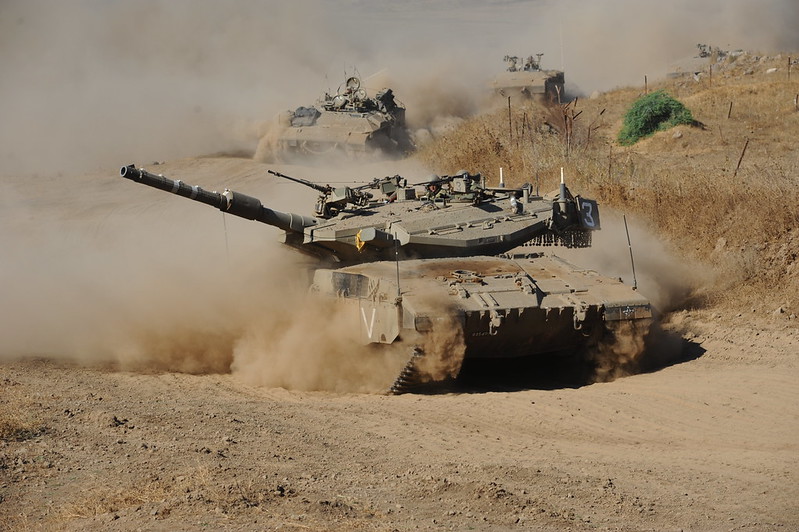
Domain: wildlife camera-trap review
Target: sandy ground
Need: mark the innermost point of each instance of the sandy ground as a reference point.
(706, 441)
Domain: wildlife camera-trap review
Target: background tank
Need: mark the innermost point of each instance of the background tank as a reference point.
(524, 77)
(349, 122)
(417, 268)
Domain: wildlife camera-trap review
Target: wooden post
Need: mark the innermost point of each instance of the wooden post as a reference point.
(646, 86)
(729, 111)
(532, 133)
(741, 158)
(789, 69)
(610, 161)
(710, 77)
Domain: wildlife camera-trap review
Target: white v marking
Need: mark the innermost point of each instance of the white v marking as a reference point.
(371, 324)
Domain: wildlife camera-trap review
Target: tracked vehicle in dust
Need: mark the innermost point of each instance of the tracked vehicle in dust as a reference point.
(448, 256)
(349, 123)
(526, 78)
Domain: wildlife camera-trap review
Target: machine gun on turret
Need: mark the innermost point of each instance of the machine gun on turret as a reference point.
(462, 187)
(333, 200)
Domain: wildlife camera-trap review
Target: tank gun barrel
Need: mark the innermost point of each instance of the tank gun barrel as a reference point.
(324, 189)
(229, 201)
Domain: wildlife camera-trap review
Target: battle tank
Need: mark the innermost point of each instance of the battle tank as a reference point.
(349, 122)
(409, 263)
(525, 78)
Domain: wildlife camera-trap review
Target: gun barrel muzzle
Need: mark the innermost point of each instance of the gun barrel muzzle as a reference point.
(174, 186)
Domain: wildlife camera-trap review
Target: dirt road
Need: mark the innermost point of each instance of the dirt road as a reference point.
(705, 444)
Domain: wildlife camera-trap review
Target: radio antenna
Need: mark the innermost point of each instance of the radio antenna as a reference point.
(396, 261)
(629, 245)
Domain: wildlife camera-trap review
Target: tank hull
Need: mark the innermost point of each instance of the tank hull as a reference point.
(482, 308)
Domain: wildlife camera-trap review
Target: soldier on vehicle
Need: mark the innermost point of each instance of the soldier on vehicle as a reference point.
(516, 206)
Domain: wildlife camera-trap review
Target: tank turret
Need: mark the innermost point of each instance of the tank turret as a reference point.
(446, 216)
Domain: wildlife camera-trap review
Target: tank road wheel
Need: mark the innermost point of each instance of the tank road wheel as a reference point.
(408, 378)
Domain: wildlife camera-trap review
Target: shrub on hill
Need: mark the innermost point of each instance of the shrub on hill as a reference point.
(653, 112)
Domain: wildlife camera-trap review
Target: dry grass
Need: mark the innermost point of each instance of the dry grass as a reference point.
(20, 419)
(740, 221)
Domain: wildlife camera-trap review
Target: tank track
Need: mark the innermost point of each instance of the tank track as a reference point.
(408, 378)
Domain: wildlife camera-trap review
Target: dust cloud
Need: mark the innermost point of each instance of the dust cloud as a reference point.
(621, 353)
(668, 281)
(443, 347)
(89, 83)
(663, 277)
(309, 343)
(167, 285)
(630, 348)
(615, 43)
(315, 343)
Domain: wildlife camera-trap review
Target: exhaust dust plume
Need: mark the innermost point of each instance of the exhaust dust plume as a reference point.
(668, 281)
(307, 344)
(112, 272)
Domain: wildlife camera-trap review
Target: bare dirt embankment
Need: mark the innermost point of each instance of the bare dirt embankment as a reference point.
(119, 407)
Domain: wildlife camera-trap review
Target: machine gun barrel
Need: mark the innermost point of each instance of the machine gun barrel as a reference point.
(229, 201)
(324, 189)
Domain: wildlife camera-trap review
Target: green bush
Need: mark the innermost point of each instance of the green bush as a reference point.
(650, 113)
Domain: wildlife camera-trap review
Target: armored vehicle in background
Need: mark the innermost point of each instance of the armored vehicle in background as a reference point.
(524, 77)
(349, 122)
(701, 64)
(423, 266)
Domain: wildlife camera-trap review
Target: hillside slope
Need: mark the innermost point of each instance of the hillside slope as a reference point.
(723, 193)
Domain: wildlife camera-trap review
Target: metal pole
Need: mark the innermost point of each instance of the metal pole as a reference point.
(396, 260)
